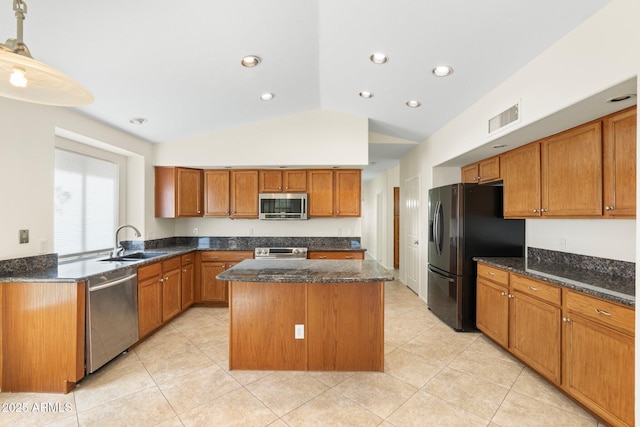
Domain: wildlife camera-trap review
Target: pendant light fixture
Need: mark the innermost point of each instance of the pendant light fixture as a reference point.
(25, 79)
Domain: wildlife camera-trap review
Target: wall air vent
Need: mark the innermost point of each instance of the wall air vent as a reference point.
(507, 117)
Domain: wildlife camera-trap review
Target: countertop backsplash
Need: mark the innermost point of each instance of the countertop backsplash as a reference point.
(583, 262)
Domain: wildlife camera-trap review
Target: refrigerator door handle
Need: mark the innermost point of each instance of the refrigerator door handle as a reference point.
(447, 278)
(436, 227)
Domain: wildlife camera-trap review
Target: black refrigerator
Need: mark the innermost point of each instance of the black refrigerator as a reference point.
(465, 220)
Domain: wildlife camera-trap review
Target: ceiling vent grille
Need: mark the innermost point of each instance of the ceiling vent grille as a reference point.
(508, 116)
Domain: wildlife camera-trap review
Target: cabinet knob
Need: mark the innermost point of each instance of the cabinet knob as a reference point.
(544, 210)
(535, 211)
(161, 280)
(566, 320)
(166, 278)
(184, 271)
(609, 208)
(511, 296)
(504, 294)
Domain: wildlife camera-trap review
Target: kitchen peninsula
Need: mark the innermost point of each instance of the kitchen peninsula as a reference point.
(322, 315)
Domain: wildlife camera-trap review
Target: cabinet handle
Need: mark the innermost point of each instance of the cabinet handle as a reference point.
(322, 256)
(348, 257)
(604, 313)
(491, 273)
(566, 320)
(532, 288)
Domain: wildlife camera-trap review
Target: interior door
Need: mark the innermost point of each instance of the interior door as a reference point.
(412, 241)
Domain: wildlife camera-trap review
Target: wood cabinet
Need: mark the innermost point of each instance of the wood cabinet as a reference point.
(492, 303)
(522, 192)
(171, 288)
(178, 192)
(43, 334)
(149, 298)
(187, 280)
(599, 356)
(216, 193)
(581, 343)
(335, 254)
(334, 193)
(487, 170)
(534, 325)
(212, 263)
(619, 157)
(572, 172)
(276, 181)
(244, 194)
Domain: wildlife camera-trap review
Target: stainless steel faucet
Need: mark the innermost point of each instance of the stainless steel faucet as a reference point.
(117, 248)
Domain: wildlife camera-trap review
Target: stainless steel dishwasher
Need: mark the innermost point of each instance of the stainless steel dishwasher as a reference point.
(112, 316)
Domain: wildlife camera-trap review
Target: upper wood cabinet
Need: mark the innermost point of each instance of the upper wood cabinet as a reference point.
(216, 192)
(572, 172)
(487, 170)
(334, 193)
(231, 193)
(619, 178)
(178, 192)
(521, 174)
(276, 181)
(244, 194)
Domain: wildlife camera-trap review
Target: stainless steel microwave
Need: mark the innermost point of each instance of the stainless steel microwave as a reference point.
(282, 205)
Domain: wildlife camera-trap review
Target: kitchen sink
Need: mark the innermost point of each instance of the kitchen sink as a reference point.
(137, 256)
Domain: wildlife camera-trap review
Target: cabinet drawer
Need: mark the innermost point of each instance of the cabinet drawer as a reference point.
(494, 274)
(536, 289)
(336, 255)
(599, 310)
(171, 264)
(232, 256)
(187, 259)
(150, 271)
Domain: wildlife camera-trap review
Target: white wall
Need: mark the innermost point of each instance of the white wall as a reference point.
(590, 59)
(27, 142)
(317, 138)
(379, 247)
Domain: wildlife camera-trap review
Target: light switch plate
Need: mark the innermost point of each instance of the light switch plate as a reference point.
(299, 332)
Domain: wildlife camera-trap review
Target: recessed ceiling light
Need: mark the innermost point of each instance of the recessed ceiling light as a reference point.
(622, 98)
(442, 71)
(413, 103)
(250, 61)
(267, 96)
(378, 58)
(366, 94)
(138, 121)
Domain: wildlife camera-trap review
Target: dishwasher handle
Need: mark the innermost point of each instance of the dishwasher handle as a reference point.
(113, 283)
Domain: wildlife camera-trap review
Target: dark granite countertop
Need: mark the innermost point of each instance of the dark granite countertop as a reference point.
(45, 268)
(307, 271)
(605, 285)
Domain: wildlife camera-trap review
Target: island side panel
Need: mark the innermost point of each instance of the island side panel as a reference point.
(345, 326)
(261, 330)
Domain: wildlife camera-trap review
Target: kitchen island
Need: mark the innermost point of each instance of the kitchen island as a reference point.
(320, 315)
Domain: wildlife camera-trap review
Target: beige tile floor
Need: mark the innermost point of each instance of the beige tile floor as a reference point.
(433, 377)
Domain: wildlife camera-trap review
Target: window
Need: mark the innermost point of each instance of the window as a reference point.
(86, 203)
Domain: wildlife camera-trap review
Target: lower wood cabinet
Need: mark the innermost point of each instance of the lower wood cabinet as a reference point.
(187, 280)
(43, 331)
(581, 343)
(149, 298)
(213, 263)
(335, 255)
(171, 288)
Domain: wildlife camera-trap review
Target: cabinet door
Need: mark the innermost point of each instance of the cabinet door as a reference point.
(186, 297)
(489, 170)
(347, 193)
(320, 187)
(216, 192)
(492, 311)
(534, 334)
(189, 192)
(470, 174)
(171, 287)
(619, 176)
(599, 369)
(213, 290)
(294, 180)
(149, 305)
(244, 194)
(572, 172)
(270, 181)
(336, 255)
(522, 182)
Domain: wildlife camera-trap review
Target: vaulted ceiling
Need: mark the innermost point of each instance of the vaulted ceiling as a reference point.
(177, 64)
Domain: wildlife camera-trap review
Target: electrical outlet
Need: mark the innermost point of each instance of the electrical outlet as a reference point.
(195, 231)
(44, 244)
(24, 236)
(563, 242)
(299, 332)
